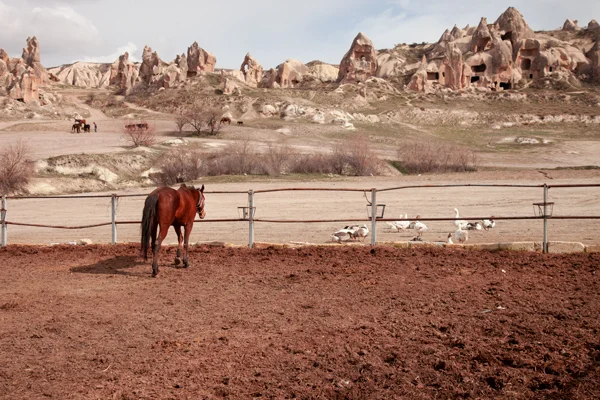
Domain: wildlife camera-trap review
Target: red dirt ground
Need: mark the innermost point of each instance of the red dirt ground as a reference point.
(357, 323)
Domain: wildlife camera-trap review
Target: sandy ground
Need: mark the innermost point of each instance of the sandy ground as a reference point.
(342, 323)
(310, 205)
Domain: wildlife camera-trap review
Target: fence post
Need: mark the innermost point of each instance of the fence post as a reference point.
(113, 201)
(3, 222)
(373, 216)
(250, 218)
(545, 242)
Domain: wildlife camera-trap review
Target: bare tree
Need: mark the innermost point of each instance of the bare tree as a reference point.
(178, 166)
(140, 134)
(199, 117)
(16, 169)
(278, 157)
(181, 120)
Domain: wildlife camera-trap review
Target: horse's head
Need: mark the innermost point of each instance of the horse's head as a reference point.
(200, 204)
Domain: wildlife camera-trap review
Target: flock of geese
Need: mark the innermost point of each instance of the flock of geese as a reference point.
(460, 235)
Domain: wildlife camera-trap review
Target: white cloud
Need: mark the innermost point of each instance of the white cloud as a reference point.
(60, 29)
(130, 47)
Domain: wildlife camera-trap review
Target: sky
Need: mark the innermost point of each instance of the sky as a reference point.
(272, 31)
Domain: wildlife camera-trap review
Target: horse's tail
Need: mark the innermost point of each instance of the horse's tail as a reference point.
(148, 219)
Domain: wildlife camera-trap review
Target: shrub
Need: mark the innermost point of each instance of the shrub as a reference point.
(181, 120)
(177, 166)
(15, 168)
(198, 117)
(140, 134)
(424, 157)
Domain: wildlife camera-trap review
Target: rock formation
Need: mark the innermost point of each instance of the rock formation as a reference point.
(252, 71)
(287, 75)
(150, 67)
(360, 62)
(199, 60)
(511, 26)
(21, 78)
(593, 24)
(322, 71)
(124, 73)
(481, 37)
(594, 56)
(83, 74)
(570, 25)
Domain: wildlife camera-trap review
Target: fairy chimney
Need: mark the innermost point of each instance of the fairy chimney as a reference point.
(360, 62)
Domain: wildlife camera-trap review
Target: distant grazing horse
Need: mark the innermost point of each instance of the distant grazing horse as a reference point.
(143, 125)
(86, 128)
(240, 122)
(165, 207)
(75, 128)
(226, 120)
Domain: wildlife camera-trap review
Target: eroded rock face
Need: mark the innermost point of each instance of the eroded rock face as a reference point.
(21, 77)
(511, 26)
(150, 66)
(570, 25)
(594, 56)
(593, 24)
(322, 71)
(87, 75)
(199, 60)
(360, 62)
(287, 75)
(481, 37)
(252, 70)
(124, 73)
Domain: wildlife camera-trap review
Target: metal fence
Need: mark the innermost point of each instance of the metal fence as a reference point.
(376, 211)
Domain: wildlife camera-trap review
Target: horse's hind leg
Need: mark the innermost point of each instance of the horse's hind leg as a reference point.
(156, 249)
(180, 244)
(186, 242)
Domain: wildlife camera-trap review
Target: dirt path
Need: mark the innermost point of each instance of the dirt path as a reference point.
(90, 323)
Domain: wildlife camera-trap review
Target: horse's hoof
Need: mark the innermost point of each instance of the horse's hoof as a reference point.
(186, 265)
(177, 261)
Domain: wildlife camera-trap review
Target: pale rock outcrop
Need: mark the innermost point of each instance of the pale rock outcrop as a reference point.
(512, 26)
(360, 62)
(593, 24)
(287, 75)
(481, 37)
(457, 33)
(182, 64)
(452, 68)
(31, 57)
(252, 71)
(322, 71)
(419, 82)
(570, 25)
(268, 110)
(199, 60)
(150, 69)
(231, 87)
(124, 73)
(83, 74)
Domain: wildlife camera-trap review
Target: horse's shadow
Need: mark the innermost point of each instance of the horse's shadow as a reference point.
(113, 266)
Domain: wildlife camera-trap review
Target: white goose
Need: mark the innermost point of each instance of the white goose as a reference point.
(488, 223)
(397, 226)
(360, 232)
(459, 223)
(419, 227)
(343, 235)
(460, 236)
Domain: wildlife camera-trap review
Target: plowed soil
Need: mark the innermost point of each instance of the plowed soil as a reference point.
(315, 322)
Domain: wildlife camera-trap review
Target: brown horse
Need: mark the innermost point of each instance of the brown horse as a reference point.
(226, 120)
(240, 123)
(165, 207)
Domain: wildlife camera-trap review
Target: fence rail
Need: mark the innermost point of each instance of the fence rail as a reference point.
(249, 216)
